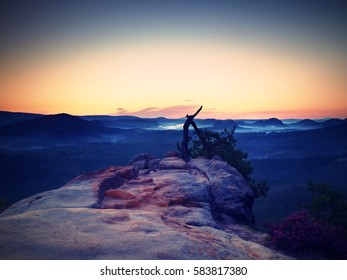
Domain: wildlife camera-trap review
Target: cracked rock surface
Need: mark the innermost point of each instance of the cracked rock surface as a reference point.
(154, 209)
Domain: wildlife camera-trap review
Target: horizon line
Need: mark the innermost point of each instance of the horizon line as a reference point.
(162, 116)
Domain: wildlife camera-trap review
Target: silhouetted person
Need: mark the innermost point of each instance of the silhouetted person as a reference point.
(188, 122)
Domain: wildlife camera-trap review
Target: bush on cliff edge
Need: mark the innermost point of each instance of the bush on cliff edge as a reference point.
(223, 144)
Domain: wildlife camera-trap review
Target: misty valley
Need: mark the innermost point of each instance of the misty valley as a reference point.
(39, 153)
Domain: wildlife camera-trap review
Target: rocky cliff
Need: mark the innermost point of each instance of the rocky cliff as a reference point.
(153, 209)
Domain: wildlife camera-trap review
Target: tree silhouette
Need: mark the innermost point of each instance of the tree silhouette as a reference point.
(189, 121)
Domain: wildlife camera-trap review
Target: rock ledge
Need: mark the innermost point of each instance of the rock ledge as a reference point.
(154, 209)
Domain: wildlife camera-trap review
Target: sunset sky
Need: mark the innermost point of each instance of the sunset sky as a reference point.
(240, 59)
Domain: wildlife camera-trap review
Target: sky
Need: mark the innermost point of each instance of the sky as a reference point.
(239, 59)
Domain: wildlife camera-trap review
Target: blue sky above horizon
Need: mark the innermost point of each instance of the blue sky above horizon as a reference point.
(240, 59)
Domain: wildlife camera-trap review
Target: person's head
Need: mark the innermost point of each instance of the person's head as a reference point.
(187, 116)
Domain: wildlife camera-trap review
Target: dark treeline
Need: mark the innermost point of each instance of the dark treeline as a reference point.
(288, 178)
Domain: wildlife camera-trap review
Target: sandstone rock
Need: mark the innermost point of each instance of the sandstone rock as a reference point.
(172, 163)
(229, 190)
(154, 164)
(194, 216)
(177, 211)
(116, 193)
(140, 157)
(172, 154)
(141, 161)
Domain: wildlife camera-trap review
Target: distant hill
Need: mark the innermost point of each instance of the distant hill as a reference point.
(52, 129)
(333, 122)
(124, 122)
(295, 144)
(8, 118)
(53, 125)
(307, 123)
(103, 123)
(269, 122)
(312, 124)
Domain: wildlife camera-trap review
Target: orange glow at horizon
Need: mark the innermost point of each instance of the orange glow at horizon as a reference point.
(230, 80)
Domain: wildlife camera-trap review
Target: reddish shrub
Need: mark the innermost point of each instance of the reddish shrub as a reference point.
(301, 232)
